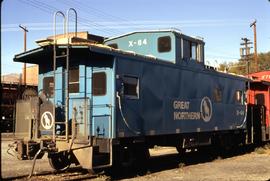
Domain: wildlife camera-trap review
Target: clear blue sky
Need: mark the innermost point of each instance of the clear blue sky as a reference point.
(222, 23)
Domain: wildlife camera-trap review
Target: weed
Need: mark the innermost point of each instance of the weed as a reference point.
(181, 165)
(267, 146)
(260, 151)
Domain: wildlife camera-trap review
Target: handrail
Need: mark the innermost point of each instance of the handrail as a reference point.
(54, 23)
(54, 58)
(75, 13)
(67, 66)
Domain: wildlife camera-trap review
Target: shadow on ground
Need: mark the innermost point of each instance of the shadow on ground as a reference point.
(172, 161)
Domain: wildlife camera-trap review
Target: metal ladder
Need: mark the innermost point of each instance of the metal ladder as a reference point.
(67, 99)
(66, 72)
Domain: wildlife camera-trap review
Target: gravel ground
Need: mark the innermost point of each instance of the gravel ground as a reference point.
(165, 164)
(252, 166)
(11, 167)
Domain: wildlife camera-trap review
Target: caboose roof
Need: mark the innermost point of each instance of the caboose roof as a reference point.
(44, 54)
(177, 32)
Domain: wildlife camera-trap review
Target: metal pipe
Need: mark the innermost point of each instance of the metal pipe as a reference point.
(34, 162)
(67, 92)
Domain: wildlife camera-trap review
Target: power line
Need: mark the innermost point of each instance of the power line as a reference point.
(50, 9)
(99, 13)
(83, 20)
(80, 7)
(35, 6)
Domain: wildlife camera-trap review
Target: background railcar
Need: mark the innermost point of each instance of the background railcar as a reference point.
(258, 99)
(10, 93)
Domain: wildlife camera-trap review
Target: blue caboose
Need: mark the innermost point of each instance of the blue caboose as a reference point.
(106, 102)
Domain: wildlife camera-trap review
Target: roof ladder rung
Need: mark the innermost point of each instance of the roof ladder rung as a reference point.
(60, 122)
(60, 56)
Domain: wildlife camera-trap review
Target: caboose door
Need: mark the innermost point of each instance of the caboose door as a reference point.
(80, 113)
(101, 102)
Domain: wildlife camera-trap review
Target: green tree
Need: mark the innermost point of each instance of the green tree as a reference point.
(240, 67)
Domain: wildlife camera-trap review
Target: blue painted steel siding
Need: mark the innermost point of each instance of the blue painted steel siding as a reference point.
(99, 108)
(161, 85)
(146, 44)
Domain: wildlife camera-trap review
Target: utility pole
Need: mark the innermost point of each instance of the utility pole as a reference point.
(24, 49)
(253, 24)
(245, 52)
(1, 43)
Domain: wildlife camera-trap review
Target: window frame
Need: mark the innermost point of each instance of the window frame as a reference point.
(241, 100)
(193, 45)
(199, 52)
(50, 94)
(217, 95)
(105, 93)
(160, 47)
(129, 96)
(186, 49)
(74, 82)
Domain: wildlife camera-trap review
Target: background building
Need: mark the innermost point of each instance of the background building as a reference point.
(12, 89)
(31, 75)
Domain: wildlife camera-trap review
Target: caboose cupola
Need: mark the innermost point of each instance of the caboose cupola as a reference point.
(167, 45)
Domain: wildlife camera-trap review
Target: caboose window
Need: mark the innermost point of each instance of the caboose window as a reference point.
(259, 99)
(131, 87)
(164, 44)
(194, 51)
(239, 97)
(186, 49)
(99, 84)
(199, 53)
(217, 95)
(48, 86)
(74, 80)
(190, 50)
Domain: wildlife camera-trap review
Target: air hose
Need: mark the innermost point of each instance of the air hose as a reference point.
(122, 115)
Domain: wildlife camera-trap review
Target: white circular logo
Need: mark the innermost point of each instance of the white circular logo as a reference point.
(206, 109)
(47, 120)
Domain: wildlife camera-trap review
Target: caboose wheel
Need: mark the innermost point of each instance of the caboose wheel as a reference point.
(59, 161)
